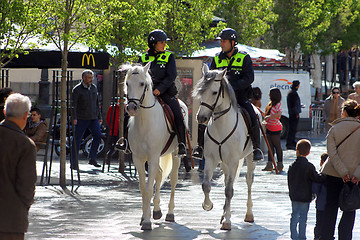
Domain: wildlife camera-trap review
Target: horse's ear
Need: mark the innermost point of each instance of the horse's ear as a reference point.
(205, 69)
(147, 66)
(223, 73)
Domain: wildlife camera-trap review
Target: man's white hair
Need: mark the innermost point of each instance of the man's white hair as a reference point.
(357, 83)
(16, 105)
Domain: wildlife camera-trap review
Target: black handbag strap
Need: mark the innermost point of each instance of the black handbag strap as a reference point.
(347, 136)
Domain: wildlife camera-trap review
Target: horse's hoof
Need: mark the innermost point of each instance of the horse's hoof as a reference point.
(208, 207)
(249, 218)
(226, 226)
(157, 214)
(141, 221)
(170, 217)
(146, 226)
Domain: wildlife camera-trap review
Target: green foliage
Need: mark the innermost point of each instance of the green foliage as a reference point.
(251, 19)
(19, 21)
(311, 25)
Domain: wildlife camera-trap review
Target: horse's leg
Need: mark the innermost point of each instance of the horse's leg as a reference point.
(229, 173)
(140, 166)
(174, 175)
(210, 165)
(249, 217)
(157, 214)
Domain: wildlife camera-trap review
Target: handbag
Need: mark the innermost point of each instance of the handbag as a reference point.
(349, 199)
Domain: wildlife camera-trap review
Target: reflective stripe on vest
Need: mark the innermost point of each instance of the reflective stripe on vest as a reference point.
(163, 57)
(238, 61)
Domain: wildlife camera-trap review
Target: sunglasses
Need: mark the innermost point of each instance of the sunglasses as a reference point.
(335, 92)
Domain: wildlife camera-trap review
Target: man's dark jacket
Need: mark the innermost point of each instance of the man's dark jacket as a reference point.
(300, 176)
(293, 102)
(85, 102)
(17, 178)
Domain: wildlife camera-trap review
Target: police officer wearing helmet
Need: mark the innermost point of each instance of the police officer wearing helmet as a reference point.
(240, 74)
(163, 74)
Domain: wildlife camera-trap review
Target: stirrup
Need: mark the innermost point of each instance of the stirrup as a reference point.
(123, 146)
(257, 155)
(198, 152)
(181, 149)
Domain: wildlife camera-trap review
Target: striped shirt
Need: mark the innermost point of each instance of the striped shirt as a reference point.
(274, 124)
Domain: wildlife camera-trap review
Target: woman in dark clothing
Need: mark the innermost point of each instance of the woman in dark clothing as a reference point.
(163, 74)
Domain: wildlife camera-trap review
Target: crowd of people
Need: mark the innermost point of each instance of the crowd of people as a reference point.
(340, 165)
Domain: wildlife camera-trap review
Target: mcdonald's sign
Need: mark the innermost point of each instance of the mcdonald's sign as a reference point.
(88, 58)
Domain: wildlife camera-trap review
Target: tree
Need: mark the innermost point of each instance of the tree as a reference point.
(251, 19)
(66, 23)
(19, 21)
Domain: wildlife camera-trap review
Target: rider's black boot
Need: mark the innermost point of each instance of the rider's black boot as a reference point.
(255, 138)
(180, 131)
(199, 149)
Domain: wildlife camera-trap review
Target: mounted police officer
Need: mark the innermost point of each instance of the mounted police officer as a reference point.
(240, 74)
(163, 74)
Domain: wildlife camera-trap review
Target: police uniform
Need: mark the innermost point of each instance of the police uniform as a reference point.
(163, 74)
(240, 74)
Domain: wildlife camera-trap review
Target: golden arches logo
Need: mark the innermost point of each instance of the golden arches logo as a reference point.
(88, 57)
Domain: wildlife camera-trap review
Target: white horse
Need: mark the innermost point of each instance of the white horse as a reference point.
(148, 134)
(226, 139)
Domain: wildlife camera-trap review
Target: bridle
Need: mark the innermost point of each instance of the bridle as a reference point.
(217, 115)
(141, 99)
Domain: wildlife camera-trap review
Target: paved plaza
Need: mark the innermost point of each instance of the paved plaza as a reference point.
(108, 206)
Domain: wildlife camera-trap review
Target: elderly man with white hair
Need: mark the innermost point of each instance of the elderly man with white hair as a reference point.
(17, 169)
(356, 95)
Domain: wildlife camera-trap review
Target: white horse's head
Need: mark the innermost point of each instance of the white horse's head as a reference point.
(211, 89)
(137, 83)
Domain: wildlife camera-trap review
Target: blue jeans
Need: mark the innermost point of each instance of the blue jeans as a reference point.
(80, 128)
(298, 216)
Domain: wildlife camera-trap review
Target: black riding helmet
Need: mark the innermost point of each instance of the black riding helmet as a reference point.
(228, 33)
(156, 35)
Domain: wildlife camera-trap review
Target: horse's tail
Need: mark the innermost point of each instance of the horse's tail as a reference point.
(166, 164)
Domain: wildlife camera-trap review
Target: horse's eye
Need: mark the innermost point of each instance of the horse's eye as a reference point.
(142, 84)
(127, 84)
(214, 93)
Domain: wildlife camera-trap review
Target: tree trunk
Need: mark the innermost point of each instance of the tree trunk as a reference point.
(63, 124)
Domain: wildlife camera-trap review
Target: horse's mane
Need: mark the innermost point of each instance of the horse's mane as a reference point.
(207, 80)
(136, 69)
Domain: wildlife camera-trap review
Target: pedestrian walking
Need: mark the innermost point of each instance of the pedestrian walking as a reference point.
(332, 107)
(240, 74)
(86, 115)
(319, 189)
(294, 108)
(300, 176)
(343, 166)
(273, 112)
(17, 169)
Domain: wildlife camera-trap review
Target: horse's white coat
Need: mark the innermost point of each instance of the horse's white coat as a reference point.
(233, 150)
(148, 135)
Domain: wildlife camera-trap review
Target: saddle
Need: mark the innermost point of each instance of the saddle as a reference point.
(170, 123)
(246, 117)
